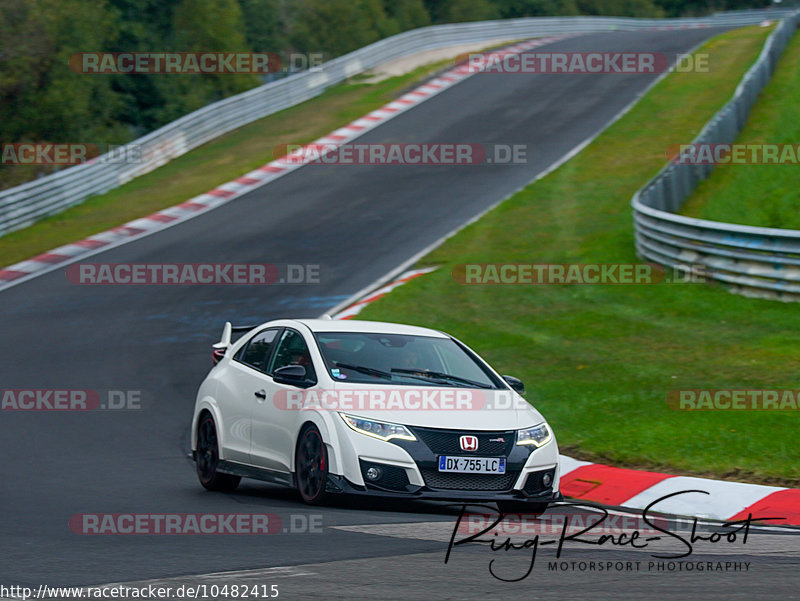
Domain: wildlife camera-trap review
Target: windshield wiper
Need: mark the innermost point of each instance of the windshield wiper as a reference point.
(364, 370)
(439, 376)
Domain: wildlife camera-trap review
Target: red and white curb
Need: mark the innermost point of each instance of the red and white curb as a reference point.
(636, 489)
(354, 309)
(139, 228)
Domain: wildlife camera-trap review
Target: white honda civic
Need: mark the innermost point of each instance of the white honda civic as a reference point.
(369, 408)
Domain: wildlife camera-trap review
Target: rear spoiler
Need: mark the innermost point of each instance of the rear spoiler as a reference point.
(225, 340)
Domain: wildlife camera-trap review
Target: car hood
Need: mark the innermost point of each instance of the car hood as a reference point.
(437, 407)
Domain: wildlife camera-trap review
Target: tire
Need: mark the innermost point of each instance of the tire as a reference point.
(207, 458)
(522, 507)
(311, 466)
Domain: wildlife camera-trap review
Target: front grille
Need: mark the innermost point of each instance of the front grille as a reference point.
(446, 442)
(452, 481)
(533, 483)
(392, 477)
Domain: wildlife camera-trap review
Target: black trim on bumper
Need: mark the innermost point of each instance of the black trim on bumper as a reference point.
(341, 485)
(392, 478)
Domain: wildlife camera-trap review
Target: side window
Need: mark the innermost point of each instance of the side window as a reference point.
(292, 350)
(256, 352)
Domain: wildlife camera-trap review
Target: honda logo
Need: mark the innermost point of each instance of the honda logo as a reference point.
(469, 443)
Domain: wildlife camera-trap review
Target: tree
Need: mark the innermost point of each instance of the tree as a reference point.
(335, 27)
(619, 8)
(407, 14)
(511, 9)
(265, 24)
(458, 11)
(42, 98)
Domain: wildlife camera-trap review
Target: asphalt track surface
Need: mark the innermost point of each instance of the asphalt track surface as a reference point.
(358, 223)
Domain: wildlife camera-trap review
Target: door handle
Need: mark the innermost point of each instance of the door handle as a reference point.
(261, 395)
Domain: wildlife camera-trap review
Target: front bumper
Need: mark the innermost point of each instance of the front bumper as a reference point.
(341, 485)
(409, 469)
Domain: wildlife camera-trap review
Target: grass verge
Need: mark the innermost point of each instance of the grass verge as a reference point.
(599, 360)
(764, 195)
(217, 162)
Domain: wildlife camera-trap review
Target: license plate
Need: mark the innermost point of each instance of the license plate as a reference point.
(472, 465)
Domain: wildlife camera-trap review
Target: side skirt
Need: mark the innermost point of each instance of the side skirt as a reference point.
(256, 473)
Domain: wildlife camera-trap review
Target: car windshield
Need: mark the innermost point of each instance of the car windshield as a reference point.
(401, 359)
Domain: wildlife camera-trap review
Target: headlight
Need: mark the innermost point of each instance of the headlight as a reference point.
(380, 430)
(537, 436)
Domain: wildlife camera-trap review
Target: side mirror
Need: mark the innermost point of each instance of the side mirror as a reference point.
(515, 384)
(290, 374)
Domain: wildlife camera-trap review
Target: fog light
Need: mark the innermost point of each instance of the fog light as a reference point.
(373, 473)
(546, 479)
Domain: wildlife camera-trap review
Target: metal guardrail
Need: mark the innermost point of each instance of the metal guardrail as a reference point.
(754, 261)
(24, 204)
